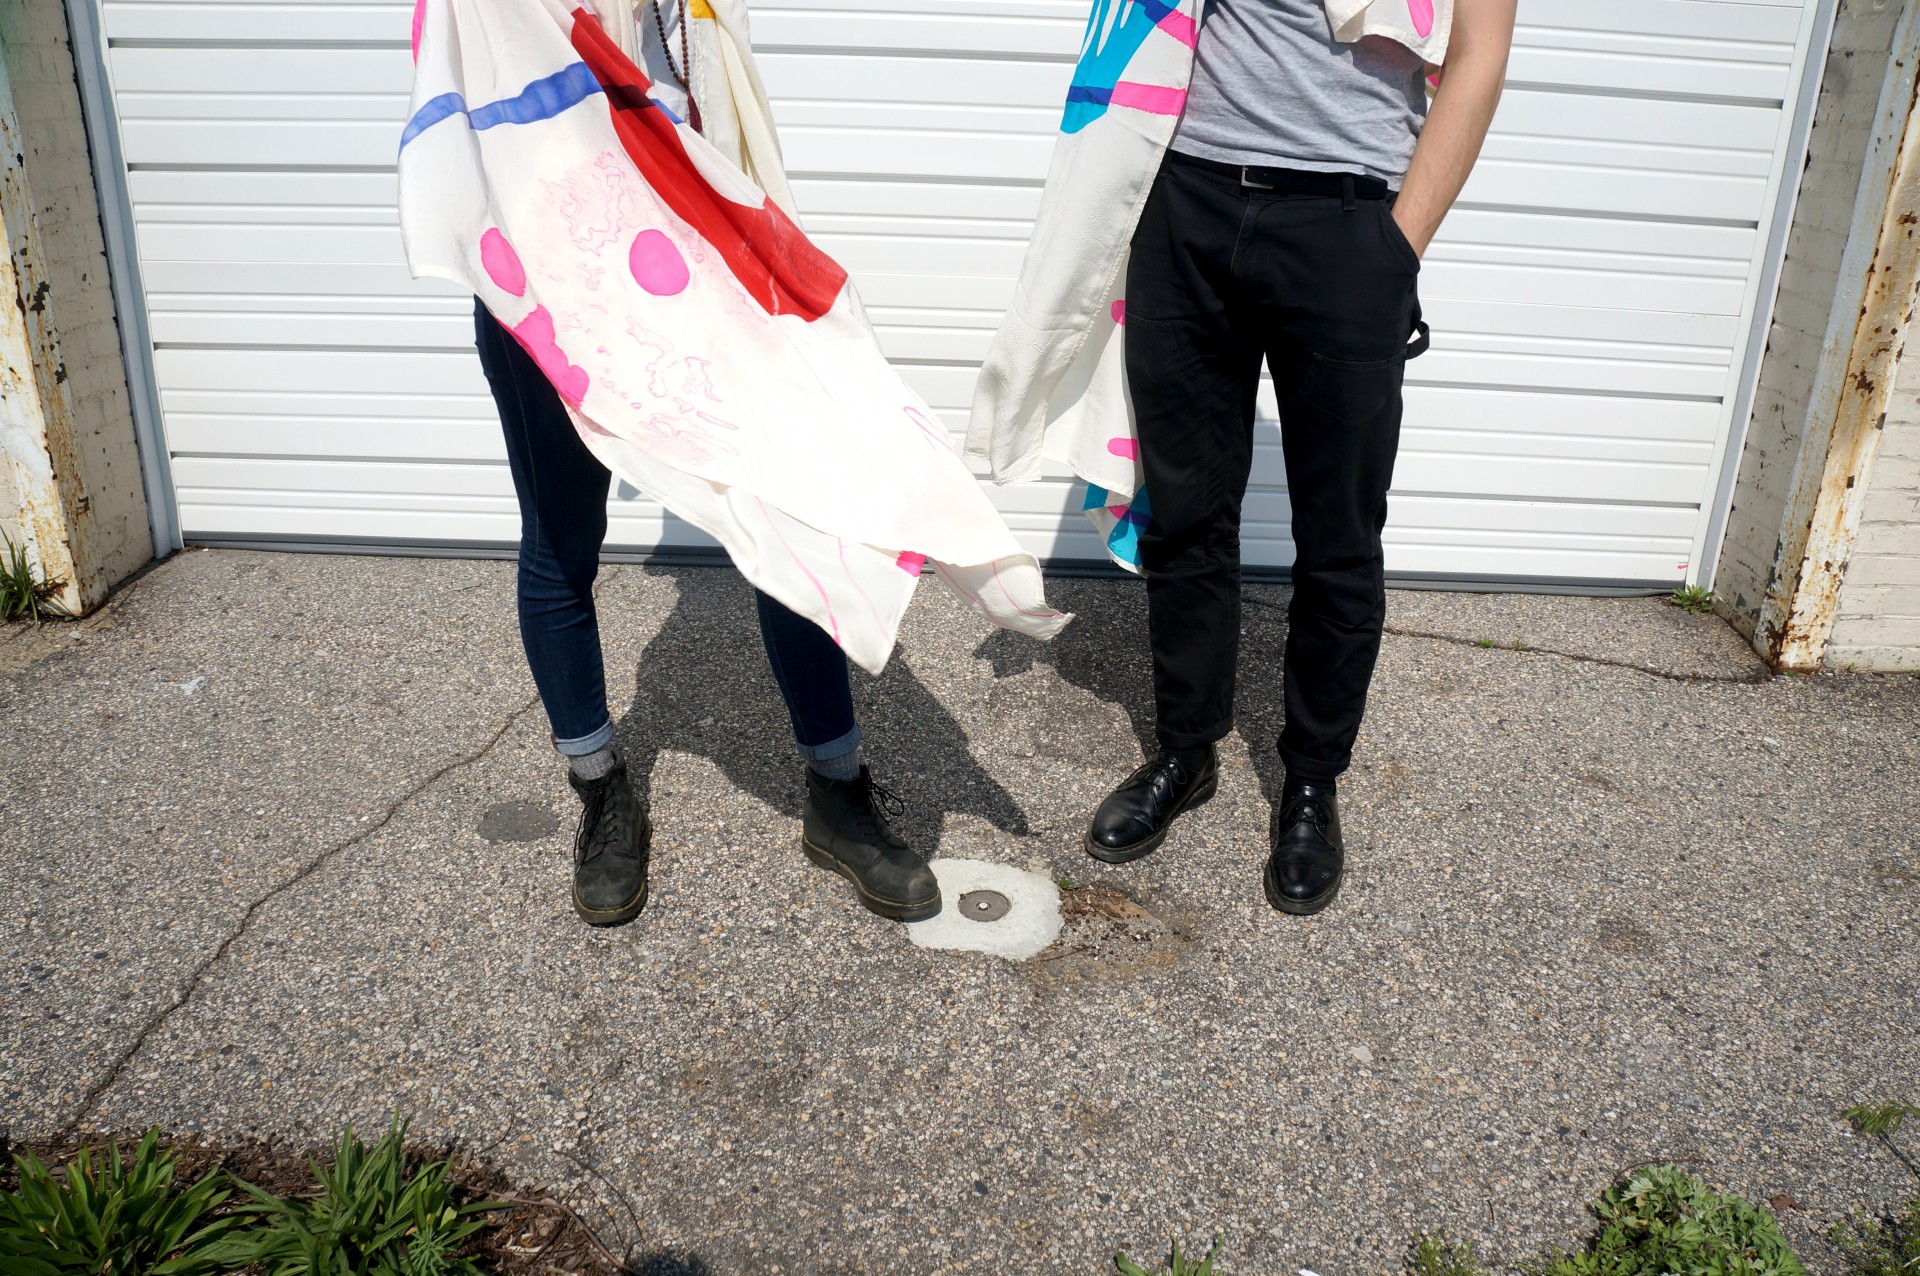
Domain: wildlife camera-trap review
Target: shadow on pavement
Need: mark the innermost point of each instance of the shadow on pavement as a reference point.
(668, 1263)
(1105, 652)
(702, 686)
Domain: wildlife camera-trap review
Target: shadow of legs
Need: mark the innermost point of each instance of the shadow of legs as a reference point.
(702, 687)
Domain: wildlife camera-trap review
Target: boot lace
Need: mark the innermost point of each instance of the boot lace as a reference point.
(875, 804)
(602, 824)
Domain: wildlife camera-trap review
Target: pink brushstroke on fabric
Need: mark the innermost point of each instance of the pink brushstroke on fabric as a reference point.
(656, 264)
(853, 580)
(1119, 312)
(1181, 27)
(1048, 614)
(833, 621)
(1129, 448)
(419, 22)
(933, 432)
(502, 263)
(535, 332)
(1151, 98)
(1422, 13)
(964, 592)
(1118, 511)
(911, 563)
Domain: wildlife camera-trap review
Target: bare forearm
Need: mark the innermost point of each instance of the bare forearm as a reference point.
(1457, 125)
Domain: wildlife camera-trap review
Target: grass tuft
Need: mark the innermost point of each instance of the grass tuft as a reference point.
(122, 1213)
(22, 591)
(373, 1216)
(1435, 1256)
(1179, 1263)
(1692, 598)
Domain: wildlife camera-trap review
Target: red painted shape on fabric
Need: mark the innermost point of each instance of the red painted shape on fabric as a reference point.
(771, 257)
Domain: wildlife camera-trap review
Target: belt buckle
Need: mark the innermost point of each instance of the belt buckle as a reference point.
(1247, 182)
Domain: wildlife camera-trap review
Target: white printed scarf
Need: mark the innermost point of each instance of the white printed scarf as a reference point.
(1054, 385)
(708, 352)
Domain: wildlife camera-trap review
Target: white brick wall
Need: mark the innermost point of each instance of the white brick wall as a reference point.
(46, 101)
(1878, 626)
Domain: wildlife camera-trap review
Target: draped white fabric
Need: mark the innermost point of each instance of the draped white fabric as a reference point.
(1054, 383)
(709, 353)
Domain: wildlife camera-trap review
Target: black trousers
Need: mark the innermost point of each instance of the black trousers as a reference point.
(1321, 285)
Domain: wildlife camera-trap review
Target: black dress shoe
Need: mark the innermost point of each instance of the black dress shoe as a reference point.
(1137, 816)
(610, 849)
(846, 832)
(1309, 858)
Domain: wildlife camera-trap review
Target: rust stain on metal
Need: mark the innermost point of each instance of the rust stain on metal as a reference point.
(1854, 438)
(36, 403)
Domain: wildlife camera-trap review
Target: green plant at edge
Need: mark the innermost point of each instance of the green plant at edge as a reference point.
(1692, 598)
(1664, 1219)
(1884, 1246)
(1179, 1263)
(372, 1217)
(22, 592)
(1881, 1119)
(1433, 1256)
(120, 1214)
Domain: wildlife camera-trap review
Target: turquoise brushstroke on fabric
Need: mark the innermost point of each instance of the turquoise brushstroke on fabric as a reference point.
(1110, 43)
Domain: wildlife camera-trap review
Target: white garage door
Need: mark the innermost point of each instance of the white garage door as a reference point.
(1591, 298)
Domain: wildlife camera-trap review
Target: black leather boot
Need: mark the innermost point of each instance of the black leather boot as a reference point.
(1137, 816)
(1309, 858)
(846, 833)
(610, 849)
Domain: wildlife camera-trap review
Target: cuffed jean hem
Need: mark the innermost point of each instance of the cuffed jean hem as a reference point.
(836, 748)
(583, 745)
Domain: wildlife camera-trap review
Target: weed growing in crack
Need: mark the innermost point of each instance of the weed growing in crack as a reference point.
(1435, 1256)
(23, 591)
(1692, 598)
(1887, 1243)
(1179, 1263)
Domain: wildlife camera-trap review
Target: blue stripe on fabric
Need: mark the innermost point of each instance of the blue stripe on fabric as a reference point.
(541, 100)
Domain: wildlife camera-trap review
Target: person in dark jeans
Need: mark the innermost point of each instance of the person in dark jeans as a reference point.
(1286, 226)
(562, 490)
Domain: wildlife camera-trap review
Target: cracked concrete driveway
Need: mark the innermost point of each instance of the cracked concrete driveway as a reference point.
(1615, 897)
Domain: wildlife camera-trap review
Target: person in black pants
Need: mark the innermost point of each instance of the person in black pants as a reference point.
(1284, 226)
(562, 490)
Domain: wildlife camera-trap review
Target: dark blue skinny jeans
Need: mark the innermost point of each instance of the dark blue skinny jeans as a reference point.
(562, 490)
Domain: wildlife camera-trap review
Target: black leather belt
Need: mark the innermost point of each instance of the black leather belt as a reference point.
(1289, 181)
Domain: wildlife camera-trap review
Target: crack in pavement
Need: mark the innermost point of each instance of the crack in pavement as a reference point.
(91, 1099)
(1736, 679)
(1482, 644)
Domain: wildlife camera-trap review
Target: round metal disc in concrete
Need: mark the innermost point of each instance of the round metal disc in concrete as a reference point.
(1030, 922)
(518, 822)
(984, 906)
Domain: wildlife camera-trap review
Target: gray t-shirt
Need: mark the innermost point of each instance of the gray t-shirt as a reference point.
(1272, 86)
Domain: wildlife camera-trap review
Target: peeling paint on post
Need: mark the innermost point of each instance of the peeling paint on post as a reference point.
(1822, 518)
(36, 409)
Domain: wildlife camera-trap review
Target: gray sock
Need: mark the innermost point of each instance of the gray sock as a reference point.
(591, 766)
(844, 767)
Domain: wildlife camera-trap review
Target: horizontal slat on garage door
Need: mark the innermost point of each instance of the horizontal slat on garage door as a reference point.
(1589, 297)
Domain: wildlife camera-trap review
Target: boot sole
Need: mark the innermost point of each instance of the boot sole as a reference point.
(893, 910)
(613, 916)
(1151, 843)
(1302, 907)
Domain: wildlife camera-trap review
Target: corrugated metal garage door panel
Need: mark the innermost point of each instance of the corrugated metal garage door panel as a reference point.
(1590, 297)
